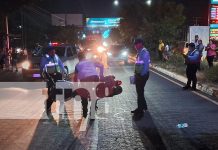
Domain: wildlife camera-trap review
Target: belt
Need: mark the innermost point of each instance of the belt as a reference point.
(137, 74)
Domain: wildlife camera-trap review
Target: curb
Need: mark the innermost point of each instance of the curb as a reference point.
(202, 87)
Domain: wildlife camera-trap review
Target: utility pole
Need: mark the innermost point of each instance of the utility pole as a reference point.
(8, 62)
(7, 32)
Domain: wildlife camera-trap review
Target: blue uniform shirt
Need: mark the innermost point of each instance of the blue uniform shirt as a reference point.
(48, 60)
(86, 68)
(193, 56)
(142, 62)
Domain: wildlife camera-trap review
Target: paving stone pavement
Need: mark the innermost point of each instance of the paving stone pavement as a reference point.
(116, 129)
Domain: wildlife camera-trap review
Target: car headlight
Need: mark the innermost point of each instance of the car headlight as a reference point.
(26, 65)
(101, 49)
(109, 54)
(124, 53)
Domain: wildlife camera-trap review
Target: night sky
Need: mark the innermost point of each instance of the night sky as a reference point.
(105, 8)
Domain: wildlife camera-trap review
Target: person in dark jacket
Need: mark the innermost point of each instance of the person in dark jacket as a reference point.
(192, 62)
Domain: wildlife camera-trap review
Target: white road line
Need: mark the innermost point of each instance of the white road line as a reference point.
(205, 97)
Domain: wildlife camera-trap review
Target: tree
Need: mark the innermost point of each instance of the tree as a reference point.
(159, 21)
(169, 21)
(66, 34)
(115, 35)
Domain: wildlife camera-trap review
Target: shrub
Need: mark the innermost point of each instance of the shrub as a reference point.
(176, 59)
(212, 74)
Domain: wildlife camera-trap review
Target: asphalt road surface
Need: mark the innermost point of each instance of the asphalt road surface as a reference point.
(114, 127)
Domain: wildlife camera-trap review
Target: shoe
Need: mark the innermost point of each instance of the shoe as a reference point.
(138, 116)
(193, 89)
(134, 111)
(137, 110)
(186, 87)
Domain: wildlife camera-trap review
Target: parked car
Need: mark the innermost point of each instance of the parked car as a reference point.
(31, 66)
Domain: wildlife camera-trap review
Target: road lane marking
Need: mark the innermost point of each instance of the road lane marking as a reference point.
(201, 95)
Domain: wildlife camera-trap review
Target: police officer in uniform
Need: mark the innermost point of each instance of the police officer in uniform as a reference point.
(52, 69)
(141, 75)
(192, 62)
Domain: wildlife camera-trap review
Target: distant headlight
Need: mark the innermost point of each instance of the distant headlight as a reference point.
(101, 49)
(26, 65)
(18, 50)
(109, 54)
(124, 53)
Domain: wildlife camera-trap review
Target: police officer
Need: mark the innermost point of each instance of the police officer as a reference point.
(141, 75)
(85, 71)
(52, 68)
(192, 61)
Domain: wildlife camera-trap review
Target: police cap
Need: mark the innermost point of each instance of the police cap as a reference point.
(139, 40)
(191, 45)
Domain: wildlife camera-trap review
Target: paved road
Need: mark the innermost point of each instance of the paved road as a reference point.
(114, 127)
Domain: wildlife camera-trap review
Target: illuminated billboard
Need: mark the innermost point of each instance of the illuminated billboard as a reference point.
(214, 2)
(213, 20)
(214, 31)
(102, 22)
(214, 14)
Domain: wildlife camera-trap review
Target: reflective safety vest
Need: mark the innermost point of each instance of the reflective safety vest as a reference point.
(52, 66)
(139, 64)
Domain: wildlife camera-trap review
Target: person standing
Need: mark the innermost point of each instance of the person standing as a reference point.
(211, 52)
(141, 75)
(192, 61)
(161, 49)
(200, 48)
(85, 71)
(196, 40)
(53, 69)
(166, 52)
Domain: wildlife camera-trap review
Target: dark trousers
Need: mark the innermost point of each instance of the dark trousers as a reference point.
(160, 54)
(191, 71)
(140, 82)
(51, 98)
(210, 61)
(85, 95)
(51, 91)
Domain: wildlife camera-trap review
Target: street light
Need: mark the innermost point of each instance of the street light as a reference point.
(148, 2)
(116, 2)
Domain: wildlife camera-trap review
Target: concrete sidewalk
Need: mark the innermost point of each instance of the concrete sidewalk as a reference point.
(208, 89)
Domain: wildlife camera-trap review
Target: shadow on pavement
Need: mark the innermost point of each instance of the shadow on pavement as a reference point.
(147, 129)
(52, 136)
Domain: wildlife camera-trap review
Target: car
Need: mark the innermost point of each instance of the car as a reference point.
(31, 66)
(117, 53)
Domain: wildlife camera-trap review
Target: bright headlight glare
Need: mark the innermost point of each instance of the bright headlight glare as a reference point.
(109, 54)
(101, 49)
(124, 53)
(18, 50)
(26, 65)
